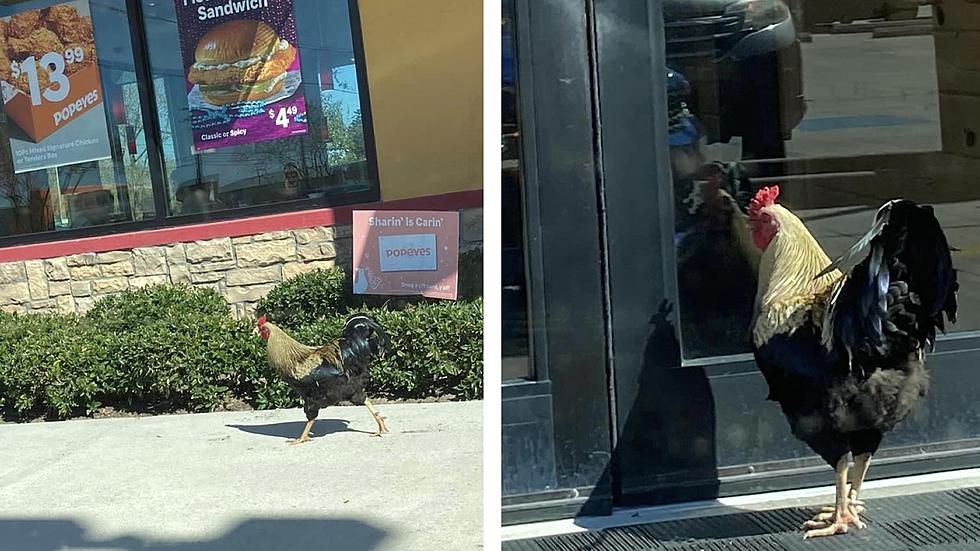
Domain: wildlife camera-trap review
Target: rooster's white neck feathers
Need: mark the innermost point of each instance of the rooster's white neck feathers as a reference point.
(788, 295)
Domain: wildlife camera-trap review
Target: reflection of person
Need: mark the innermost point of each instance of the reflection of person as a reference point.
(709, 228)
(93, 208)
(291, 180)
(196, 197)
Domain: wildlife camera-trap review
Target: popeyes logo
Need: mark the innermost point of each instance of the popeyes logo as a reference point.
(408, 253)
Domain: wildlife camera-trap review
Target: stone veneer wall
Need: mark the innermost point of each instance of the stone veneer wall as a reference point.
(242, 269)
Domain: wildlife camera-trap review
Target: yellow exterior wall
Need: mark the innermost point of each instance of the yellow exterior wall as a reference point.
(425, 75)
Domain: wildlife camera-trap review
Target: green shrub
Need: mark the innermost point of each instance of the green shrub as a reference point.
(434, 349)
(189, 361)
(307, 297)
(167, 348)
(161, 349)
(133, 307)
(49, 365)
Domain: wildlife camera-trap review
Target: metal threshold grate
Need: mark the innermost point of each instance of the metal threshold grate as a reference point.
(938, 521)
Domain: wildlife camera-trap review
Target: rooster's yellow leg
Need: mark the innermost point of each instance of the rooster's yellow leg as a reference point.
(842, 518)
(861, 464)
(305, 437)
(377, 418)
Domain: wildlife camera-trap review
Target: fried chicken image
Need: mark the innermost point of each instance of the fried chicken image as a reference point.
(61, 14)
(37, 32)
(77, 30)
(36, 44)
(4, 66)
(21, 83)
(23, 24)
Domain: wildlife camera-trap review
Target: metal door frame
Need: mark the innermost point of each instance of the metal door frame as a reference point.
(556, 428)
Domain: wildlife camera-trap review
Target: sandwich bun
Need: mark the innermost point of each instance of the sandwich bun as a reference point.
(240, 51)
(234, 41)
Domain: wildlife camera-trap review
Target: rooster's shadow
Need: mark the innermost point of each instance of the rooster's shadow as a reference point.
(292, 429)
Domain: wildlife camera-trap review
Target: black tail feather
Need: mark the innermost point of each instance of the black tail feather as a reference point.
(366, 334)
(902, 287)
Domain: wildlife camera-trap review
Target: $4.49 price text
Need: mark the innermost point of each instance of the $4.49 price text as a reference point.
(282, 115)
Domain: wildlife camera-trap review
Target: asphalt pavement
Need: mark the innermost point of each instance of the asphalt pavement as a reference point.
(229, 481)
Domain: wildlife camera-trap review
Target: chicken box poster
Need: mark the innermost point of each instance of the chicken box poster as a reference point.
(52, 94)
(242, 69)
(406, 253)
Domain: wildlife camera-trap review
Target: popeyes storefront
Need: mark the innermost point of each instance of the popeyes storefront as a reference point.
(152, 141)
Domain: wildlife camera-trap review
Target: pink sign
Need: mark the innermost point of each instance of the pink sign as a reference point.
(401, 252)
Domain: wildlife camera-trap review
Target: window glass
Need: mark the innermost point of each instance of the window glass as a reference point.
(72, 151)
(843, 110)
(516, 358)
(305, 122)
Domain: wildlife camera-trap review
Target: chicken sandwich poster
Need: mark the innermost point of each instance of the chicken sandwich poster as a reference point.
(398, 252)
(52, 95)
(242, 71)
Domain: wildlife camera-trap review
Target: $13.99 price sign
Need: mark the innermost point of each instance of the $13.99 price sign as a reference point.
(55, 64)
(56, 115)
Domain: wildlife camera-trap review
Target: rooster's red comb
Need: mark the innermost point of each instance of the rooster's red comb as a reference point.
(765, 197)
(261, 321)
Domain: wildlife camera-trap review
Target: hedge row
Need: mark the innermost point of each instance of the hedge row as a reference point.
(168, 348)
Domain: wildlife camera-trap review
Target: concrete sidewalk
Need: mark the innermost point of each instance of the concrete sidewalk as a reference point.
(228, 481)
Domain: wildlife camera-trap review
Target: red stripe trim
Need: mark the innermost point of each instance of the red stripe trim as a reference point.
(236, 227)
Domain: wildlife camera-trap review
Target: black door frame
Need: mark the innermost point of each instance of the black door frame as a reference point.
(556, 428)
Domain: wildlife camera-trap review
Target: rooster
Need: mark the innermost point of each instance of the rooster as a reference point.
(325, 375)
(841, 344)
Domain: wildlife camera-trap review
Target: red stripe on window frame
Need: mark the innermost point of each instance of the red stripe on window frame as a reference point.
(235, 227)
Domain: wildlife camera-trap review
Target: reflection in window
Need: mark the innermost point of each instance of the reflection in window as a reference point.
(68, 190)
(843, 110)
(516, 356)
(328, 163)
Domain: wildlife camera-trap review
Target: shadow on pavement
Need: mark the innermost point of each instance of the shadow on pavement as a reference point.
(292, 429)
(284, 534)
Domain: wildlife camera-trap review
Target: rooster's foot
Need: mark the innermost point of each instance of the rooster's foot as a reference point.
(832, 526)
(827, 513)
(382, 428)
(295, 441)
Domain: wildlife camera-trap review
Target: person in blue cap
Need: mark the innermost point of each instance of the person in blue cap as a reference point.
(684, 137)
(716, 280)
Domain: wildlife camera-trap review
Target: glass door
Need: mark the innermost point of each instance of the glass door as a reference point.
(701, 96)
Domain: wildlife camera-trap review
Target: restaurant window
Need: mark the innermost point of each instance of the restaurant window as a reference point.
(69, 156)
(212, 113)
(238, 131)
(514, 296)
(844, 105)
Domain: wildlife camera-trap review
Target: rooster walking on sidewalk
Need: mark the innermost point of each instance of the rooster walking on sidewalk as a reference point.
(326, 375)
